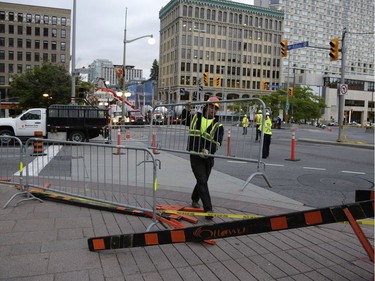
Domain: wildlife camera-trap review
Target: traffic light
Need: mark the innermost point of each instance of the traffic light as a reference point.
(264, 85)
(217, 81)
(205, 78)
(334, 52)
(290, 91)
(284, 51)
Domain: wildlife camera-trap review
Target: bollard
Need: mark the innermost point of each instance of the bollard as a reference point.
(228, 148)
(38, 145)
(292, 155)
(118, 152)
(154, 151)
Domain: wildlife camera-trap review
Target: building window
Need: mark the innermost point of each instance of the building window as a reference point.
(46, 19)
(19, 43)
(19, 56)
(2, 28)
(10, 68)
(29, 18)
(2, 80)
(11, 42)
(2, 67)
(53, 58)
(54, 20)
(53, 45)
(45, 45)
(45, 32)
(20, 30)
(2, 55)
(63, 33)
(2, 42)
(28, 30)
(28, 43)
(37, 44)
(28, 56)
(37, 31)
(63, 21)
(36, 57)
(20, 17)
(19, 68)
(10, 55)
(2, 15)
(63, 46)
(11, 29)
(37, 18)
(62, 58)
(54, 32)
(11, 16)
(45, 56)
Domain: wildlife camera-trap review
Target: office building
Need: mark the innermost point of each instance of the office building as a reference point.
(318, 22)
(30, 35)
(220, 48)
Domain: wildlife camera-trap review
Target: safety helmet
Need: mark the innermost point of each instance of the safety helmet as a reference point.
(245, 115)
(214, 101)
(267, 113)
(259, 111)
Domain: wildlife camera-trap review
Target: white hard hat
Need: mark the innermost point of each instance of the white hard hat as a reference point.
(245, 115)
(267, 113)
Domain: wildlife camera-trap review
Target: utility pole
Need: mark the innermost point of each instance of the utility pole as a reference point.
(342, 81)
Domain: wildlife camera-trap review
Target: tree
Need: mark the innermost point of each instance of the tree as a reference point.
(154, 75)
(42, 86)
(304, 104)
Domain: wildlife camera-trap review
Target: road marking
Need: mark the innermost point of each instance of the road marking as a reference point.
(41, 161)
(313, 168)
(352, 172)
(276, 165)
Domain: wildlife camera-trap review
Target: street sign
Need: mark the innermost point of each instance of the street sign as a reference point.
(343, 89)
(287, 106)
(298, 45)
(274, 86)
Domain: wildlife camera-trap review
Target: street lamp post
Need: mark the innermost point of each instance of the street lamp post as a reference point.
(151, 41)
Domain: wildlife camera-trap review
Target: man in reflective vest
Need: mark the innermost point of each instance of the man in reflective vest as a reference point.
(245, 124)
(205, 138)
(267, 135)
(258, 120)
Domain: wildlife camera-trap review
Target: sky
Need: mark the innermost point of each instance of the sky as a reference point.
(100, 29)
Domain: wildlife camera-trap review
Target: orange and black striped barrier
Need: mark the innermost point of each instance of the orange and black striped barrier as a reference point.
(200, 233)
(38, 145)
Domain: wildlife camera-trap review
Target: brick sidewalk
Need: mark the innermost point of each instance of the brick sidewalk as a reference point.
(48, 242)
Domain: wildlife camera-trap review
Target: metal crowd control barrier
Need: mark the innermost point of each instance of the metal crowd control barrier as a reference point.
(124, 176)
(171, 134)
(128, 134)
(12, 167)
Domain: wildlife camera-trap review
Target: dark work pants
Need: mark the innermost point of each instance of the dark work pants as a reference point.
(266, 145)
(258, 132)
(202, 169)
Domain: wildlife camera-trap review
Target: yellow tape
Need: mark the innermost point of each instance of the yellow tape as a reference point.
(240, 216)
(222, 215)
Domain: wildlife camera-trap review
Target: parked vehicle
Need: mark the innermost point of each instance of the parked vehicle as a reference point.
(64, 122)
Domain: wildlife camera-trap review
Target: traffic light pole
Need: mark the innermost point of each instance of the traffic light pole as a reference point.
(341, 97)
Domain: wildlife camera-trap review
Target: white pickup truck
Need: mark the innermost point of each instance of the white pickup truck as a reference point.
(68, 122)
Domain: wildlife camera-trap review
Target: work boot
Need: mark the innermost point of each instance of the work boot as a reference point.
(209, 217)
(195, 204)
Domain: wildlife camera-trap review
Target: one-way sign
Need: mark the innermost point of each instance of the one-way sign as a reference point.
(298, 45)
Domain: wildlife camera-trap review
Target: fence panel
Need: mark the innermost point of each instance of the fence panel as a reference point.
(171, 134)
(125, 176)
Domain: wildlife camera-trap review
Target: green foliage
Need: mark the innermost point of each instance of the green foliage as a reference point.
(304, 104)
(49, 79)
(154, 75)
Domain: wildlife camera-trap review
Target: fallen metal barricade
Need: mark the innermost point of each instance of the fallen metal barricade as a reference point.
(124, 176)
(170, 134)
(12, 167)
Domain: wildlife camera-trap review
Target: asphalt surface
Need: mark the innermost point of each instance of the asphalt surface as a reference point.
(48, 241)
